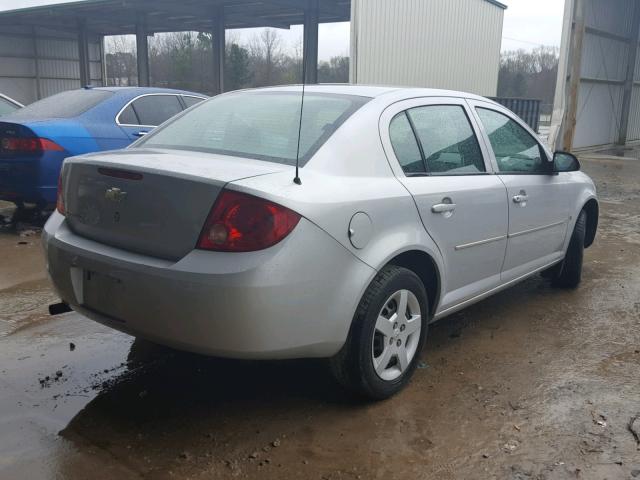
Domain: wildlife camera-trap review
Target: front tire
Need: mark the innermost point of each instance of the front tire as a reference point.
(387, 335)
(569, 272)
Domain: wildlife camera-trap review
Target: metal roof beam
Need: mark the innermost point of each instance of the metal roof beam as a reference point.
(326, 6)
(608, 35)
(248, 22)
(115, 17)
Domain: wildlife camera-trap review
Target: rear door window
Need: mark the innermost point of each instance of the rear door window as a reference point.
(152, 110)
(449, 145)
(128, 117)
(405, 145)
(436, 140)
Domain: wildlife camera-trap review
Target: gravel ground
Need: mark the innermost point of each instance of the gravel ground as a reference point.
(533, 383)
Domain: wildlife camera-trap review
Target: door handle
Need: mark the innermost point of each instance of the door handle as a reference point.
(443, 207)
(522, 198)
(141, 133)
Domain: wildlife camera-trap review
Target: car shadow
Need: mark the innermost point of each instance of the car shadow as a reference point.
(166, 406)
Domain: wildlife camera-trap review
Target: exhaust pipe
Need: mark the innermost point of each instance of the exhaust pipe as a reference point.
(59, 308)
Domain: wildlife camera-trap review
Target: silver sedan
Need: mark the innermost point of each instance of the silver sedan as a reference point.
(409, 204)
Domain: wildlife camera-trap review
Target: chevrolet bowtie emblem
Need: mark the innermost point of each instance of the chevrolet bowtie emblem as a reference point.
(115, 195)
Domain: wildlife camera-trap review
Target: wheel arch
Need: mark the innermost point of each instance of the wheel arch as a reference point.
(426, 268)
(593, 211)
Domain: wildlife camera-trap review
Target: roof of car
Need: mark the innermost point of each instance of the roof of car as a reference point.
(374, 91)
(143, 90)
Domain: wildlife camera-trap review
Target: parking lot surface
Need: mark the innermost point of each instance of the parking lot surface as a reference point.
(533, 383)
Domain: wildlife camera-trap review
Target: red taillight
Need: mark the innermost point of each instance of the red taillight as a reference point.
(29, 145)
(60, 197)
(243, 223)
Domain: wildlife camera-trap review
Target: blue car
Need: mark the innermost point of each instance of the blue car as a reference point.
(35, 140)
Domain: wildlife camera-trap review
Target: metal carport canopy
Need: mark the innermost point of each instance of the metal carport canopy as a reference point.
(145, 17)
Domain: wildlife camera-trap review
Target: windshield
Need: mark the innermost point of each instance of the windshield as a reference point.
(67, 104)
(261, 125)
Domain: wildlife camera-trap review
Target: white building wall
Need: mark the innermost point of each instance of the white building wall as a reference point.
(36, 63)
(427, 43)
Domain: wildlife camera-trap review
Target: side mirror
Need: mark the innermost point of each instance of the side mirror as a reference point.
(565, 162)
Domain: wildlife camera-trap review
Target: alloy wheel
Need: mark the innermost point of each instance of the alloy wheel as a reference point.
(396, 335)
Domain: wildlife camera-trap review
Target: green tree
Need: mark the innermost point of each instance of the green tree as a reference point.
(335, 70)
(237, 72)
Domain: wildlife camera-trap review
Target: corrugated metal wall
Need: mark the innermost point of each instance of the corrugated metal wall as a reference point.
(603, 69)
(435, 43)
(604, 65)
(36, 63)
(634, 116)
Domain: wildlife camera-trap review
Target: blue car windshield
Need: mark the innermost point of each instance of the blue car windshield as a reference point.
(260, 125)
(67, 104)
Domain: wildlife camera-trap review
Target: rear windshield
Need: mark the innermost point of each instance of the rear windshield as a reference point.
(7, 107)
(261, 125)
(63, 105)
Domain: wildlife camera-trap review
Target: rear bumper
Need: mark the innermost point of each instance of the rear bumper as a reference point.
(39, 195)
(295, 299)
(30, 180)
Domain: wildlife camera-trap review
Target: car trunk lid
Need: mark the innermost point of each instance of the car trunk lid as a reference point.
(153, 202)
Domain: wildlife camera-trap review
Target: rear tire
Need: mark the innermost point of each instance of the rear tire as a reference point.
(569, 272)
(384, 344)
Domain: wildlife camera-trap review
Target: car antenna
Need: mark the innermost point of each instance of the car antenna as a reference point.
(296, 179)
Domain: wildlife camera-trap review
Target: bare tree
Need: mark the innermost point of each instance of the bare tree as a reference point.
(122, 68)
(530, 74)
(185, 60)
(266, 52)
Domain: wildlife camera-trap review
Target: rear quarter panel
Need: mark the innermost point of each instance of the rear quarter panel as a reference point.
(73, 137)
(350, 174)
(100, 123)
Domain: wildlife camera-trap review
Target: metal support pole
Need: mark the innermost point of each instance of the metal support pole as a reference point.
(631, 72)
(142, 51)
(310, 43)
(103, 62)
(575, 67)
(83, 53)
(36, 54)
(217, 45)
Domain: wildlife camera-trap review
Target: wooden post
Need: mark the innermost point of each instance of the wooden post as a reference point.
(577, 42)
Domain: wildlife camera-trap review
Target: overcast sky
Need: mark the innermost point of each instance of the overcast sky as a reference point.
(527, 24)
